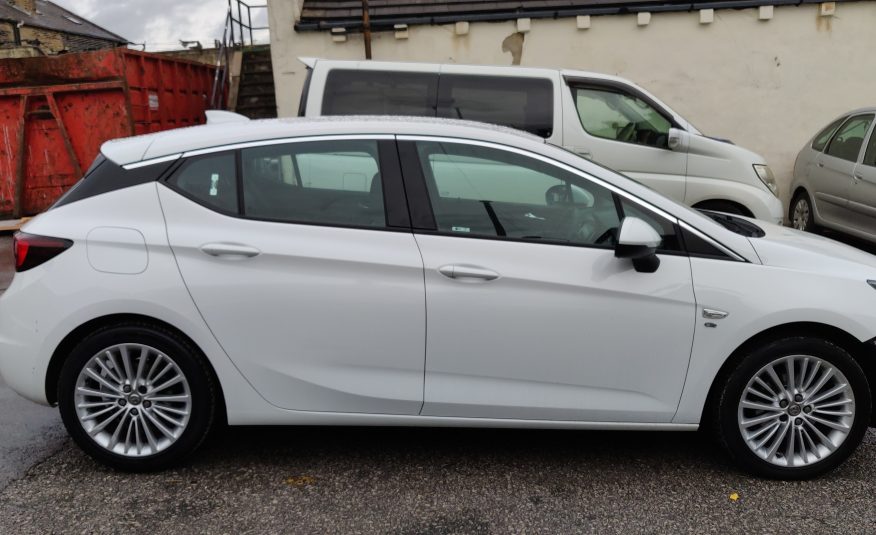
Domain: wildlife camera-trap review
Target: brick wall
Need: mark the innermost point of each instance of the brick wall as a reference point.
(49, 42)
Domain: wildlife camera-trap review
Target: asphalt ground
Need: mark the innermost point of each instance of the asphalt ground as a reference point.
(416, 481)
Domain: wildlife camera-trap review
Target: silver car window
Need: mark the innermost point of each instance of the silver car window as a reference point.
(847, 142)
(870, 155)
(823, 137)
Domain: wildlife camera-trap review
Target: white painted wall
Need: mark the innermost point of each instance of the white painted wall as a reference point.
(767, 85)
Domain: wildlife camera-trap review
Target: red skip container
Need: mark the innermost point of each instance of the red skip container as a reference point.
(55, 112)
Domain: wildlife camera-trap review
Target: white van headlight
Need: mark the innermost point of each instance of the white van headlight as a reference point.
(765, 174)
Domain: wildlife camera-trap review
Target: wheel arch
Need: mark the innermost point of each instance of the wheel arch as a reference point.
(711, 204)
(864, 354)
(53, 372)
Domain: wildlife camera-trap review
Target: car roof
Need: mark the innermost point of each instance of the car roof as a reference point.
(174, 142)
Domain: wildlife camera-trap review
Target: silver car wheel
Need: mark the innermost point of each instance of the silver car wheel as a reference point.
(801, 214)
(133, 400)
(796, 411)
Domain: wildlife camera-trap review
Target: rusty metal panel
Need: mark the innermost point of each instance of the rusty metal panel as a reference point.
(56, 112)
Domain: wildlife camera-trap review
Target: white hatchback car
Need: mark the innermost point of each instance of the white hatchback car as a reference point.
(378, 271)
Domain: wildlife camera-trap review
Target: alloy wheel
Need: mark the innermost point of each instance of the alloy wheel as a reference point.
(796, 411)
(133, 400)
(800, 220)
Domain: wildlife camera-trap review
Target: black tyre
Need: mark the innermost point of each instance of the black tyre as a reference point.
(801, 213)
(794, 408)
(137, 397)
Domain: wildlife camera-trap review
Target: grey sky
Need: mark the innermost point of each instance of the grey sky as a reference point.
(162, 23)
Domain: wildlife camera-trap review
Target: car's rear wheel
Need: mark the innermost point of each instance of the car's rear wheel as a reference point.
(801, 215)
(136, 397)
(794, 409)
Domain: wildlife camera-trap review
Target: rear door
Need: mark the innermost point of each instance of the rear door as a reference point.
(299, 256)
(833, 174)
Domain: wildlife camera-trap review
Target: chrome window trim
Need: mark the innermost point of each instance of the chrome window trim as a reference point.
(582, 174)
(152, 161)
(287, 140)
(251, 144)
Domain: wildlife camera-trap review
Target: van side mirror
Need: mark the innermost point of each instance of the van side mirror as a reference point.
(676, 139)
(638, 241)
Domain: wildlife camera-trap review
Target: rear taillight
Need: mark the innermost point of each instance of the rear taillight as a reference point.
(32, 250)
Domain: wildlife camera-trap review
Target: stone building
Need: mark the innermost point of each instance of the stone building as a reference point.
(40, 28)
(764, 74)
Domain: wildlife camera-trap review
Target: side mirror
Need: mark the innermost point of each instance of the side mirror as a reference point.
(638, 241)
(677, 139)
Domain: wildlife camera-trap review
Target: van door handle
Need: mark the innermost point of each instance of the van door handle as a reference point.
(230, 250)
(463, 271)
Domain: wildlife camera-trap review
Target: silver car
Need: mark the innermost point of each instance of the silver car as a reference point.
(834, 182)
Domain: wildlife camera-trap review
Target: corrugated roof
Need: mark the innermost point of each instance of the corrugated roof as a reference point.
(327, 14)
(54, 17)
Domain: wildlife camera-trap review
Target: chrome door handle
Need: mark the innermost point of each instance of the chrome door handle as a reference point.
(462, 271)
(230, 250)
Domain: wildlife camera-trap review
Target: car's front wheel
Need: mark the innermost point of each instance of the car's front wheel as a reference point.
(136, 397)
(794, 408)
(802, 216)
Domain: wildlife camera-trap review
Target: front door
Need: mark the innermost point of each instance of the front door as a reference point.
(530, 315)
(862, 194)
(316, 297)
(834, 171)
(625, 132)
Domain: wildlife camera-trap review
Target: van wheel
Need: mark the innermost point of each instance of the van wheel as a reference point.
(136, 397)
(802, 215)
(793, 409)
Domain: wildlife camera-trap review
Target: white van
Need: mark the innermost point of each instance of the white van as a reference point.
(604, 118)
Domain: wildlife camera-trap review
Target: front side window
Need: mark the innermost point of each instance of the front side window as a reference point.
(847, 142)
(614, 115)
(480, 191)
(354, 92)
(823, 137)
(324, 182)
(211, 180)
(518, 102)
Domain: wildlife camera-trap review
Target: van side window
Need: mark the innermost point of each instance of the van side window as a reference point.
(519, 102)
(614, 115)
(354, 92)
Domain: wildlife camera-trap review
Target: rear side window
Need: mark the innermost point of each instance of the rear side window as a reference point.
(211, 180)
(847, 142)
(521, 103)
(823, 137)
(352, 92)
(320, 182)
